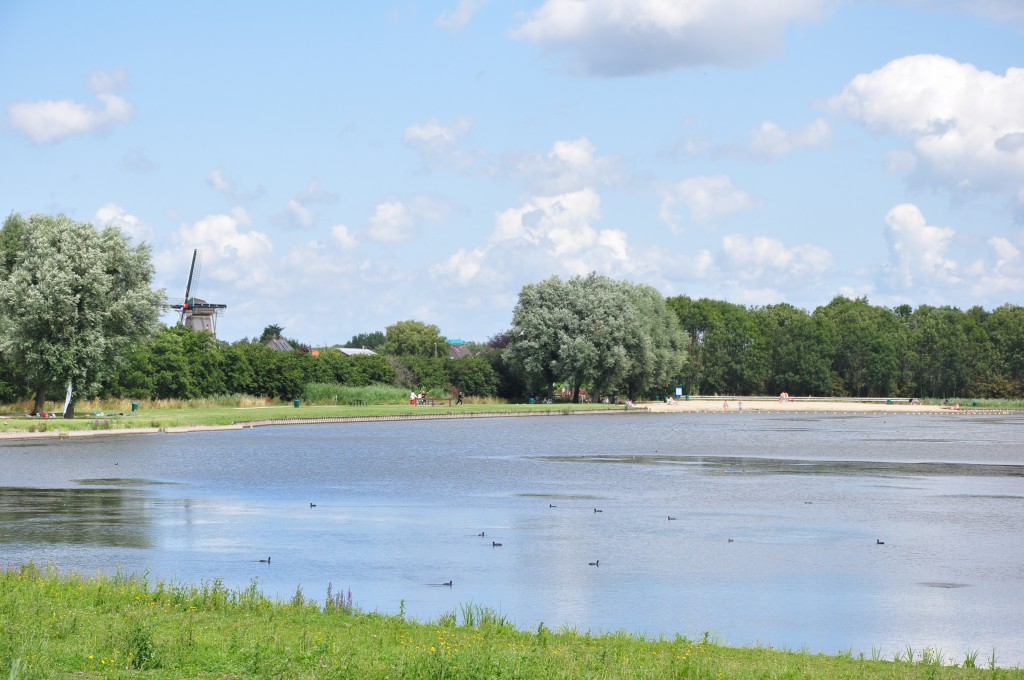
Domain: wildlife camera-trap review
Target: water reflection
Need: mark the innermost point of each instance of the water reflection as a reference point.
(104, 517)
(774, 466)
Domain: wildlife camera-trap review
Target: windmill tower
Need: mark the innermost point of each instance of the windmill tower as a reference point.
(199, 315)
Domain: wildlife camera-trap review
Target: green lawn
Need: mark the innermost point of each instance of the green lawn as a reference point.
(117, 627)
(188, 415)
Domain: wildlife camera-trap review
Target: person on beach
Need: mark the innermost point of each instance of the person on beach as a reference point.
(741, 406)
(725, 405)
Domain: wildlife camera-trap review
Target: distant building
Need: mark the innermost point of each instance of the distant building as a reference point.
(457, 349)
(356, 351)
(279, 344)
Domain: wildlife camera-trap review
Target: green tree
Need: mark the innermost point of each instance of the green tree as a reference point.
(415, 338)
(271, 332)
(1005, 328)
(374, 341)
(594, 331)
(474, 376)
(868, 342)
(726, 350)
(797, 349)
(73, 302)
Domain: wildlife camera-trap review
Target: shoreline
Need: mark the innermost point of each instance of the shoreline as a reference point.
(734, 405)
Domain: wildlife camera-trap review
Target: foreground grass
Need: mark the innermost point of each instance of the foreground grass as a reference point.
(120, 627)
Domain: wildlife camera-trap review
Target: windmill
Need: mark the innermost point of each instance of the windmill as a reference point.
(199, 315)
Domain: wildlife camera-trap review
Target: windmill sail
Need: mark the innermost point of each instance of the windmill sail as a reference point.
(197, 314)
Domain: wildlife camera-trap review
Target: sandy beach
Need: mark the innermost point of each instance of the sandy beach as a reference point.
(796, 405)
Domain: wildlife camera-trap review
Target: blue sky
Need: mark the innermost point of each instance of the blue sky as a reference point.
(343, 166)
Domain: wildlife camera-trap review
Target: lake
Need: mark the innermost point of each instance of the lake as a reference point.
(774, 541)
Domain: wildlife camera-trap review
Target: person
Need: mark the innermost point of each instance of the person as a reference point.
(459, 400)
(741, 405)
(725, 405)
(412, 399)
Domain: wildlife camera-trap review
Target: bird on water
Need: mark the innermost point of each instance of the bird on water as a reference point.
(878, 542)
(495, 545)
(596, 510)
(266, 561)
(595, 563)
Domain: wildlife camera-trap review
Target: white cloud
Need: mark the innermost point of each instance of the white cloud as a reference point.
(570, 165)
(438, 144)
(628, 37)
(132, 226)
(52, 121)
(220, 183)
(457, 19)
(297, 213)
(963, 125)
(543, 235)
(231, 254)
(392, 222)
(770, 140)
(1006, 275)
(917, 251)
(341, 234)
(706, 199)
(1006, 254)
(765, 256)
(464, 265)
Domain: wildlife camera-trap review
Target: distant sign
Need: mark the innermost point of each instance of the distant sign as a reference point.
(679, 391)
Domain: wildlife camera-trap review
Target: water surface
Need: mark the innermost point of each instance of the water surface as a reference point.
(774, 541)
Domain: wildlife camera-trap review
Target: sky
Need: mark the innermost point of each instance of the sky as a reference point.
(343, 166)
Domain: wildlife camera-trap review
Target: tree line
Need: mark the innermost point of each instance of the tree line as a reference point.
(77, 305)
(852, 348)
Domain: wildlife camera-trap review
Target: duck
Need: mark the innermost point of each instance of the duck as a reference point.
(731, 540)
(596, 510)
(878, 542)
(550, 505)
(595, 563)
(481, 534)
(312, 505)
(670, 518)
(495, 545)
(266, 561)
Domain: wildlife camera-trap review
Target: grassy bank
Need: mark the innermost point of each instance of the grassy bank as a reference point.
(119, 415)
(120, 627)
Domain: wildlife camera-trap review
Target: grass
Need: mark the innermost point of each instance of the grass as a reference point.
(124, 627)
(328, 401)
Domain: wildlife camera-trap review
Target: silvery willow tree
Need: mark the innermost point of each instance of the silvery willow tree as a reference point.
(597, 332)
(73, 301)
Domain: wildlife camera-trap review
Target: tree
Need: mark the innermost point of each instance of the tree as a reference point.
(271, 332)
(474, 376)
(727, 352)
(374, 340)
(415, 338)
(594, 331)
(73, 302)
(797, 350)
(868, 341)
